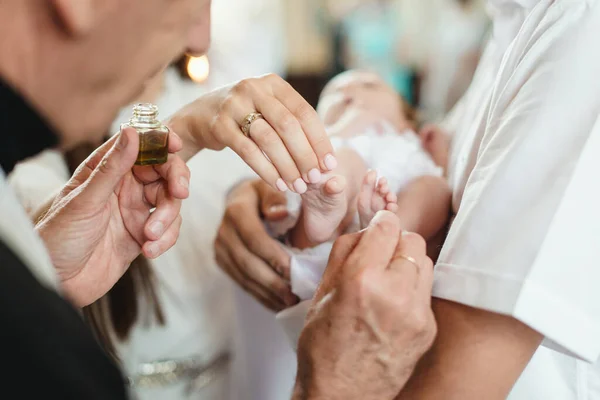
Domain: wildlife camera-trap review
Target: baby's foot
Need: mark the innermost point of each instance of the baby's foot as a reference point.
(324, 206)
(374, 197)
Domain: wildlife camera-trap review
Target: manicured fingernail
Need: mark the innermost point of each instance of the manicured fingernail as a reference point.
(153, 250)
(157, 228)
(183, 181)
(300, 186)
(330, 162)
(314, 176)
(281, 185)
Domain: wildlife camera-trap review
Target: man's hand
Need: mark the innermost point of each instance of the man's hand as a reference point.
(246, 252)
(102, 219)
(371, 319)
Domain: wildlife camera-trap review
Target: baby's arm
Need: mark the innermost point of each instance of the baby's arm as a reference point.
(424, 206)
(437, 143)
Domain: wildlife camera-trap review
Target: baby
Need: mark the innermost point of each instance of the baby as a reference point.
(373, 131)
(372, 128)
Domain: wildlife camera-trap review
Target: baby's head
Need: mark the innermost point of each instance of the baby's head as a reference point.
(366, 92)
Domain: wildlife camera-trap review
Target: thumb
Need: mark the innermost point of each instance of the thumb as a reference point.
(341, 250)
(273, 203)
(109, 164)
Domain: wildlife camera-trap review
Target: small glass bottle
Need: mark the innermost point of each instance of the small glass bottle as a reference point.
(153, 134)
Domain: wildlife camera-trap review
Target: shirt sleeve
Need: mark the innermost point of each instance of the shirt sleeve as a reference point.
(525, 240)
(36, 180)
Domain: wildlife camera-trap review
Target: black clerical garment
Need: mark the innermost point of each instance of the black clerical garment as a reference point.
(48, 352)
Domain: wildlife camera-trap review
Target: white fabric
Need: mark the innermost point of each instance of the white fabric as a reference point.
(523, 169)
(307, 268)
(292, 321)
(397, 156)
(16, 231)
(265, 363)
(195, 296)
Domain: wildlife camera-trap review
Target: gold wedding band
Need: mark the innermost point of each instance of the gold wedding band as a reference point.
(410, 260)
(248, 120)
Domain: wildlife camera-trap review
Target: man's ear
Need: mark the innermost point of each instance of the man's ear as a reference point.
(80, 17)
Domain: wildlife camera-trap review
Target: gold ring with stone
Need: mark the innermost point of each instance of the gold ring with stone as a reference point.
(248, 120)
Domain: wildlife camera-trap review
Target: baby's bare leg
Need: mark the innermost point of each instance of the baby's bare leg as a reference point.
(328, 207)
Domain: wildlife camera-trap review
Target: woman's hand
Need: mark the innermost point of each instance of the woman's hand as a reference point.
(102, 219)
(288, 148)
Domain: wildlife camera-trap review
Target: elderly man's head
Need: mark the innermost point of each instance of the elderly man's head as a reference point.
(79, 61)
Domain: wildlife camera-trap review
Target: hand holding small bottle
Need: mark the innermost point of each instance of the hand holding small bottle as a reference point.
(111, 211)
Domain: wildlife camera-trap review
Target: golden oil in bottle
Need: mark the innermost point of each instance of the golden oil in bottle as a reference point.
(153, 135)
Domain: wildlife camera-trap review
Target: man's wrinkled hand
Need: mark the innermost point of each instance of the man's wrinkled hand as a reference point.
(371, 319)
(110, 212)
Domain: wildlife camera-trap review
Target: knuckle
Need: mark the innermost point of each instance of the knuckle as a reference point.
(428, 264)
(387, 227)
(228, 215)
(242, 87)
(432, 331)
(364, 284)
(263, 135)
(254, 243)
(322, 144)
(420, 322)
(276, 263)
(228, 105)
(174, 236)
(414, 239)
(403, 307)
(288, 123)
(106, 164)
(248, 150)
(307, 159)
(342, 243)
(338, 248)
(234, 211)
(356, 261)
(305, 112)
(218, 130)
(272, 78)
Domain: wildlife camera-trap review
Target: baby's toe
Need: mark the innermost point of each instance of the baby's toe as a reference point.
(382, 187)
(335, 185)
(391, 197)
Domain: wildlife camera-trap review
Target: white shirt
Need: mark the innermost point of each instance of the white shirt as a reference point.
(16, 231)
(524, 171)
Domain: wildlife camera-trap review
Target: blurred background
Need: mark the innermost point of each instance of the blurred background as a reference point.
(427, 49)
